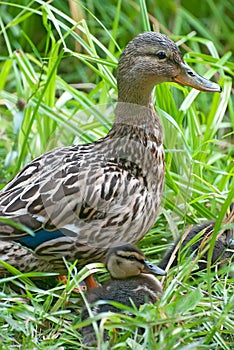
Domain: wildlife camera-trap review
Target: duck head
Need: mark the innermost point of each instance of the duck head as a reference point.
(152, 58)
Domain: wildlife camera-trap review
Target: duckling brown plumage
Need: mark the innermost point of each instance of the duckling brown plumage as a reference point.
(132, 281)
(223, 250)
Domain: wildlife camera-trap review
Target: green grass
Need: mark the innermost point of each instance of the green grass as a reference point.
(58, 87)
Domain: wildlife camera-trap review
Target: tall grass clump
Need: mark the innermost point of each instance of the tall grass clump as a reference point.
(57, 87)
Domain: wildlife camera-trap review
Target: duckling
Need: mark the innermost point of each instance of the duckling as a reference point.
(223, 249)
(132, 281)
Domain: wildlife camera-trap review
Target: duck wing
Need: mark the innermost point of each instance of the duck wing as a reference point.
(65, 188)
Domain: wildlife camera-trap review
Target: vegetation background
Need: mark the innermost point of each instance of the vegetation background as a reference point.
(57, 87)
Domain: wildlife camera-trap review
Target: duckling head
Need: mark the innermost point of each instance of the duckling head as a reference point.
(125, 260)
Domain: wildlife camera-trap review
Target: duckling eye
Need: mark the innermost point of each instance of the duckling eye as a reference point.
(161, 55)
(132, 257)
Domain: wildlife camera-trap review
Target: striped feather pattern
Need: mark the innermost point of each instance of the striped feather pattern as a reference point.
(79, 200)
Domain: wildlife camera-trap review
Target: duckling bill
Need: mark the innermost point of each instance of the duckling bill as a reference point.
(132, 281)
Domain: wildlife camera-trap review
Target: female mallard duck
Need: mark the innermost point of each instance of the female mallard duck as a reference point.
(201, 234)
(132, 282)
(79, 200)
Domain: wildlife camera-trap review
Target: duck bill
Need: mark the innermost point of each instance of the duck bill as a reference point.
(154, 269)
(190, 78)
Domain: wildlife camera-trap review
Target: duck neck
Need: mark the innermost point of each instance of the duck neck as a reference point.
(137, 122)
(135, 91)
(135, 115)
(134, 106)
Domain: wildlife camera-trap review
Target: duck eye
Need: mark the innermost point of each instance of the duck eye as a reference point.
(161, 55)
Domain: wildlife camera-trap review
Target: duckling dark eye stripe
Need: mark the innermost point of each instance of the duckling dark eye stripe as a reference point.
(140, 261)
(151, 54)
(129, 256)
(124, 256)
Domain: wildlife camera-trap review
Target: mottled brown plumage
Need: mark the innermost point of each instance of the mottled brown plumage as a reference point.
(79, 200)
